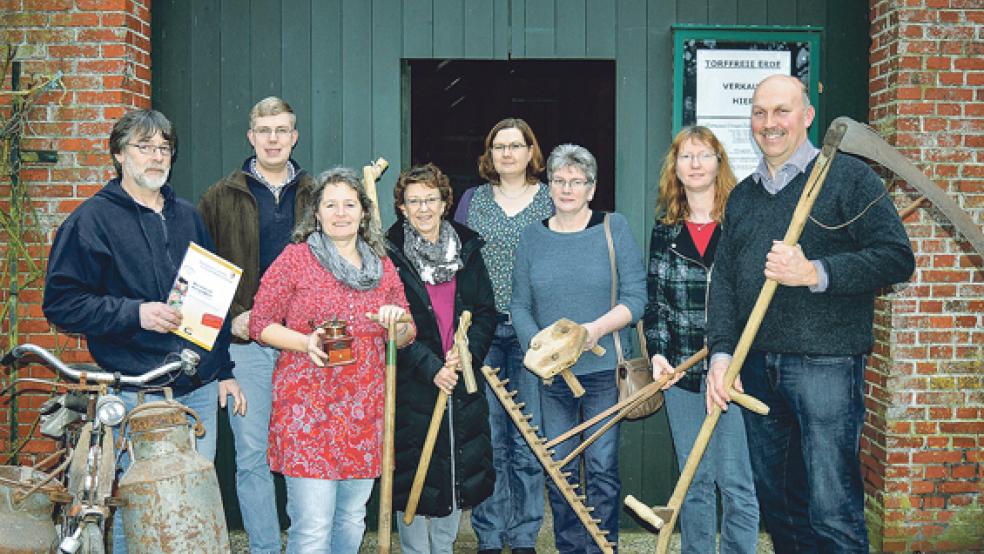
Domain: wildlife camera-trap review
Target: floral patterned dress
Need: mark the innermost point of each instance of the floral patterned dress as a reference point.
(326, 422)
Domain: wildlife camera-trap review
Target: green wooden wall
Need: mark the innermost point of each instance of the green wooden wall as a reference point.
(338, 62)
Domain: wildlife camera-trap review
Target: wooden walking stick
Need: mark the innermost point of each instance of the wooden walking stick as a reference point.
(800, 215)
(389, 421)
(464, 322)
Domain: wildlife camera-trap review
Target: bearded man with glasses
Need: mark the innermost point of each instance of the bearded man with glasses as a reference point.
(251, 214)
(112, 265)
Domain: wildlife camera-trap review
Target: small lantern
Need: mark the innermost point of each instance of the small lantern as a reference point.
(337, 343)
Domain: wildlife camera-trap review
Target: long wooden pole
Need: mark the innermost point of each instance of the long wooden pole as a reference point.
(389, 422)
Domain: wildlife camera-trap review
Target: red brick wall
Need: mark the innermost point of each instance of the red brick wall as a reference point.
(103, 48)
(923, 445)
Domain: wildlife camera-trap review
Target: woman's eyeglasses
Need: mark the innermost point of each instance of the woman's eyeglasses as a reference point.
(703, 157)
(417, 203)
(512, 148)
(573, 183)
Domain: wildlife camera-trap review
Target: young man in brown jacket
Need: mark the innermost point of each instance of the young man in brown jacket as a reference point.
(250, 214)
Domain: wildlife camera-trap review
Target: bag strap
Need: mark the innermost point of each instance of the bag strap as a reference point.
(615, 334)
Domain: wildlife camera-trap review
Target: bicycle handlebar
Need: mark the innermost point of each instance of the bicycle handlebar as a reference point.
(188, 362)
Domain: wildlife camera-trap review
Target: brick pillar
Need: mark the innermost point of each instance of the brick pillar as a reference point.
(103, 49)
(923, 443)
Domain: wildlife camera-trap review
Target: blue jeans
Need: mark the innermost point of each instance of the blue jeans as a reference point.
(725, 466)
(326, 516)
(205, 402)
(254, 482)
(561, 411)
(805, 452)
(428, 535)
(513, 514)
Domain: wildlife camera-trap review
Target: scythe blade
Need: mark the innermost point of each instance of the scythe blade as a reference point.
(863, 141)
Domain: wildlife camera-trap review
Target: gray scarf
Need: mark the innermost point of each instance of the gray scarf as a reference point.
(436, 262)
(327, 254)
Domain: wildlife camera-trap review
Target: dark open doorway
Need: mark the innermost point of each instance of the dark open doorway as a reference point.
(454, 103)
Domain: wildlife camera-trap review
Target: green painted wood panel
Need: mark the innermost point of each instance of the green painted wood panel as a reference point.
(296, 74)
(236, 96)
(753, 12)
(540, 29)
(340, 64)
(386, 120)
(356, 82)
(479, 42)
(418, 28)
(722, 12)
(600, 30)
(449, 28)
(325, 120)
(572, 29)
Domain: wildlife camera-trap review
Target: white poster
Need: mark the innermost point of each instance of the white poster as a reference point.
(203, 291)
(726, 80)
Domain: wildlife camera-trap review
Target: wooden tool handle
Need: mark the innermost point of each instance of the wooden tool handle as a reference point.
(573, 383)
(749, 402)
(425, 457)
(405, 318)
(464, 354)
(644, 512)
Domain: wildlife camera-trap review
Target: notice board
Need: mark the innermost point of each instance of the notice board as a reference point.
(715, 70)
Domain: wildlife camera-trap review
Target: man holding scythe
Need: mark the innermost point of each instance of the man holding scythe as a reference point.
(807, 360)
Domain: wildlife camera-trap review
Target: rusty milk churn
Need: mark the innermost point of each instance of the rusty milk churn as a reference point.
(26, 526)
(170, 494)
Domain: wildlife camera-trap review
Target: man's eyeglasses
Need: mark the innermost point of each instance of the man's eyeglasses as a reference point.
(703, 157)
(148, 149)
(274, 132)
(417, 203)
(573, 183)
(512, 148)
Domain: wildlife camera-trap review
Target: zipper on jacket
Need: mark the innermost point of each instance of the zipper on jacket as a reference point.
(167, 239)
(454, 478)
(707, 291)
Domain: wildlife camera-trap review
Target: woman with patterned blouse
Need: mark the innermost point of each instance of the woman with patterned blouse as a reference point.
(693, 190)
(326, 426)
(499, 210)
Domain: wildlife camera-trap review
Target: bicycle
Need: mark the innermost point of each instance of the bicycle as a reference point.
(82, 420)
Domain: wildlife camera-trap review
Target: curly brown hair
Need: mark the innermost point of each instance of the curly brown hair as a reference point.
(671, 205)
(485, 167)
(429, 175)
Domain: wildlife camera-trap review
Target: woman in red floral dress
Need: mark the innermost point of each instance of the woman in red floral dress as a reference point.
(327, 421)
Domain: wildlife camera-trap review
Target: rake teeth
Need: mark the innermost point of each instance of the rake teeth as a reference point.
(545, 456)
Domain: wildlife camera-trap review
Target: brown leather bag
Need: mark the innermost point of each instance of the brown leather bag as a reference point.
(634, 374)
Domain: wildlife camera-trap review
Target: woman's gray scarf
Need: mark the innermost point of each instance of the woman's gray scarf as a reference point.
(436, 262)
(327, 254)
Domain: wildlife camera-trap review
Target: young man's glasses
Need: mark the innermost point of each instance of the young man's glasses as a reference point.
(267, 132)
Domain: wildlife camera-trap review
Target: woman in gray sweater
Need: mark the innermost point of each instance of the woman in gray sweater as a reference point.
(562, 271)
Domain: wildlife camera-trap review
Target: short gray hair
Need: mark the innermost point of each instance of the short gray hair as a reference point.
(336, 176)
(572, 155)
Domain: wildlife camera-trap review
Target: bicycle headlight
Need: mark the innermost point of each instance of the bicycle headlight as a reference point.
(110, 410)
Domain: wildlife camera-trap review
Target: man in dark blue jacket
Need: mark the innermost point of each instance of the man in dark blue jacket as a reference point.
(807, 360)
(113, 262)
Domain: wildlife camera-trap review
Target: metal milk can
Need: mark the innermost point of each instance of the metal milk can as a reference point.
(26, 526)
(170, 494)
